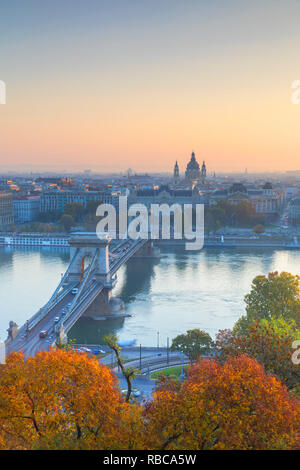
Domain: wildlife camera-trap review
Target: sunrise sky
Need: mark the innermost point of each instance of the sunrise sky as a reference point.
(109, 85)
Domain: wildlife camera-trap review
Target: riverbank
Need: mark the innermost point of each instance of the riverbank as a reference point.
(267, 240)
(238, 242)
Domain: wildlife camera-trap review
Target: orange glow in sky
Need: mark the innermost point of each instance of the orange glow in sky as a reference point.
(140, 86)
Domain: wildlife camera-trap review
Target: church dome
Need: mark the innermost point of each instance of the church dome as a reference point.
(193, 164)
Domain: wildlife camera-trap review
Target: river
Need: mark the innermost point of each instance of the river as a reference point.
(180, 291)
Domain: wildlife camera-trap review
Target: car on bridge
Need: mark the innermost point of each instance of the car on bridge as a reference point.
(43, 334)
(74, 291)
(56, 319)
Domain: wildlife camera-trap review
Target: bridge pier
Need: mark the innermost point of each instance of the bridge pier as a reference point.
(105, 305)
(148, 251)
(61, 335)
(12, 331)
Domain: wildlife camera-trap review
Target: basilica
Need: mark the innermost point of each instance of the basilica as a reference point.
(193, 174)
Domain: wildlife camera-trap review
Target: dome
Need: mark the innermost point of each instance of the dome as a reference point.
(237, 188)
(193, 164)
(267, 186)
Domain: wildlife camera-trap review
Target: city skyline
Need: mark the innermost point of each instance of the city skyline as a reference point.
(91, 85)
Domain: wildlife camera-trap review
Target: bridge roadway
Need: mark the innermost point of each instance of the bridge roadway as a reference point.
(30, 342)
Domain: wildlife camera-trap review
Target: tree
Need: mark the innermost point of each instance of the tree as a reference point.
(231, 406)
(91, 207)
(193, 344)
(222, 344)
(74, 209)
(67, 221)
(245, 212)
(259, 228)
(50, 216)
(270, 343)
(58, 399)
(271, 296)
(130, 373)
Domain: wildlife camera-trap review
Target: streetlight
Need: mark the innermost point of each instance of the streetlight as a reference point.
(140, 357)
(158, 339)
(167, 351)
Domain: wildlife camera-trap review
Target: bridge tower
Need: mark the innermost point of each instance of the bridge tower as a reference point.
(84, 246)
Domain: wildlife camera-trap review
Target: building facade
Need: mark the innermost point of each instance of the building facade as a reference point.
(265, 200)
(294, 211)
(164, 195)
(6, 210)
(26, 209)
(56, 200)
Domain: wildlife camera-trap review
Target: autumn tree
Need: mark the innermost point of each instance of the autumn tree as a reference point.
(193, 343)
(59, 399)
(231, 406)
(270, 297)
(259, 228)
(270, 343)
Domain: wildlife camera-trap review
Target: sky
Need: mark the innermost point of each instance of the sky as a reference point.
(109, 85)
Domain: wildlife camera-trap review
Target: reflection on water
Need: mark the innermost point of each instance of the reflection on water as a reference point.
(180, 291)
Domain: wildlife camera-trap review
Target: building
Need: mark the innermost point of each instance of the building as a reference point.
(203, 174)
(6, 210)
(164, 195)
(294, 211)
(176, 173)
(26, 209)
(55, 200)
(192, 172)
(265, 200)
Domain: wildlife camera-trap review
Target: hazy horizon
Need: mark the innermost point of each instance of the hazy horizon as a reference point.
(107, 86)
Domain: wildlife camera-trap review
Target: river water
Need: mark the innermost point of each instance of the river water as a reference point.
(167, 296)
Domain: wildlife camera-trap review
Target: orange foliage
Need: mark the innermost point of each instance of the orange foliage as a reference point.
(58, 399)
(234, 406)
(65, 400)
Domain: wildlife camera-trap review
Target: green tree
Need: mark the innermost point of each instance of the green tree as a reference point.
(193, 343)
(67, 221)
(75, 210)
(91, 207)
(245, 212)
(270, 297)
(130, 373)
